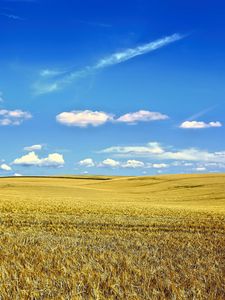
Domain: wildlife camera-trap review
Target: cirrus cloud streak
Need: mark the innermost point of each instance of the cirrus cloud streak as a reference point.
(56, 83)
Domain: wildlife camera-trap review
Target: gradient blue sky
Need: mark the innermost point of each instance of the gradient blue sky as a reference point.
(82, 82)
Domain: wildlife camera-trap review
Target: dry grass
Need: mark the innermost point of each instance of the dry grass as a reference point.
(112, 238)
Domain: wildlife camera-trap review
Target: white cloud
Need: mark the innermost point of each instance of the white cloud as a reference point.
(132, 163)
(42, 87)
(96, 118)
(200, 169)
(139, 164)
(109, 163)
(5, 167)
(33, 148)
(13, 117)
(199, 124)
(83, 118)
(32, 159)
(192, 154)
(88, 162)
(85, 172)
(158, 166)
(141, 116)
(156, 151)
(17, 175)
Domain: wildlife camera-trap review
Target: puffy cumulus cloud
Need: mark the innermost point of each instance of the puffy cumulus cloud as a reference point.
(13, 117)
(88, 162)
(29, 159)
(142, 116)
(132, 163)
(156, 151)
(199, 125)
(33, 148)
(5, 167)
(121, 164)
(109, 163)
(32, 159)
(83, 118)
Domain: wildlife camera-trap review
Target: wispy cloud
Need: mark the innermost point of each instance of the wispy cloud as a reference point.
(51, 73)
(97, 24)
(20, 1)
(42, 87)
(201, 113)
(128, 54)
(11, 16)
(192, 123)
(33, 147)
(156, 151)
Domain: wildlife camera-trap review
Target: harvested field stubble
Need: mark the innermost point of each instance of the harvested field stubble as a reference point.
(113, 237)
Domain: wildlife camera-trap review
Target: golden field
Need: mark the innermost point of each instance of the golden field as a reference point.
(159, 237)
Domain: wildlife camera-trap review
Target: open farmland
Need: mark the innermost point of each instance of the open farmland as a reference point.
(159, 237)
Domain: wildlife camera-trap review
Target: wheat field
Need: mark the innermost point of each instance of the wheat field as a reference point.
(99, 237)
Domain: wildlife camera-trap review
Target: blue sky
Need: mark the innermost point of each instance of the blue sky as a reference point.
(111, 87)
